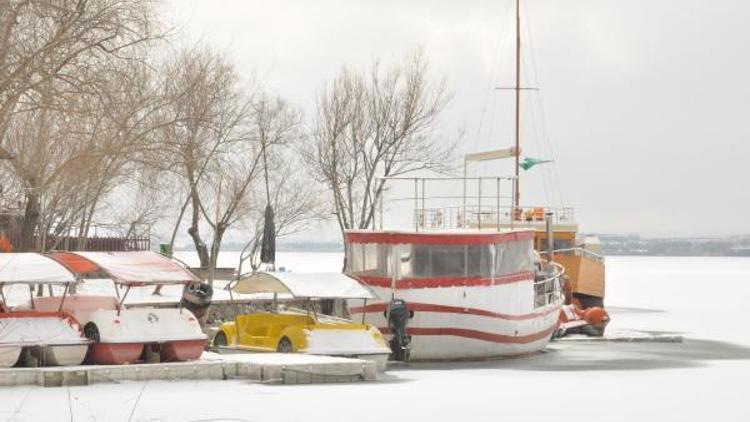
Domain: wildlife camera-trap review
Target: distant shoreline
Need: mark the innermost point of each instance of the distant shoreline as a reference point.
(612, 244)
(606, 254)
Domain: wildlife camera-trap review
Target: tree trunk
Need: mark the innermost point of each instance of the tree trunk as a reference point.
(30, 222)
(200, 246)
(215, 248)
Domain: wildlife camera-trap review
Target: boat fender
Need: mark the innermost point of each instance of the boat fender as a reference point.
(595, 315)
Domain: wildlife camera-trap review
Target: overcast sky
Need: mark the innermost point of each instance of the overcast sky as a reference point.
(646, 103)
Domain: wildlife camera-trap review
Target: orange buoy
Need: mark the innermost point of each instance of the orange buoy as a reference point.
(595, 315)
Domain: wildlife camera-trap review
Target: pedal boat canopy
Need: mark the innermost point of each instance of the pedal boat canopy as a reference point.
(127, 268)
(303, 285)
(120, 332)
(32, 268)
(55, 335)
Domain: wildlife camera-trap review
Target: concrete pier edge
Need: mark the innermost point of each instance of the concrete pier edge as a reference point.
(351, 370)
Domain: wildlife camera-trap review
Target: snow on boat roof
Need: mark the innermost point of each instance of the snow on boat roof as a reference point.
(134, 268)
(307, 285)
(32, 268)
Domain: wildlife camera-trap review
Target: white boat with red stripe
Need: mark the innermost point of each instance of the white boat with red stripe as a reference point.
(474, 293)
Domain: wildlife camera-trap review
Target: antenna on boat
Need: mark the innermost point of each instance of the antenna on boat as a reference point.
(517, 88)
(516, 191)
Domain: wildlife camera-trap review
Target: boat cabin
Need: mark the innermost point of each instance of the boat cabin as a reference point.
(401, 258)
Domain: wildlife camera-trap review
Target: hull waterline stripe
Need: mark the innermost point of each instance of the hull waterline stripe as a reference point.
(396, 238)
(476, 335)
(427, 283)
(428, 307)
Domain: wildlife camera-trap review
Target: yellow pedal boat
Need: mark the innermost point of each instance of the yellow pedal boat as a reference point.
(292, 330)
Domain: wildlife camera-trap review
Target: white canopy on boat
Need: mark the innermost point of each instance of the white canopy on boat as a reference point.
(140, 268)
(303, 285)
(32, 268)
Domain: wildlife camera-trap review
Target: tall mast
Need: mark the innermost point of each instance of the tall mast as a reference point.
(517, 196)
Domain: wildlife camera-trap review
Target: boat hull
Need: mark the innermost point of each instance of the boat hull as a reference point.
(445, 329)
(38, 338)
(114, 353)
(182, 351)
(120, 336)
(9, 355)
(65, 355)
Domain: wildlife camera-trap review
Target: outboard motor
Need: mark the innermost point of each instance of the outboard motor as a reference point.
(398, 315)
(197, 299)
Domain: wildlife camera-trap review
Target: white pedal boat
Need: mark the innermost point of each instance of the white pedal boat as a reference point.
(37, 338)
(121, 334)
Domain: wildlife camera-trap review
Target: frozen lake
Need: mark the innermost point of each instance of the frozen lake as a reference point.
(703, 378)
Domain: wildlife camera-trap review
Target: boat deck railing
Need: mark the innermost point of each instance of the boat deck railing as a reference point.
(582, 252)
(547, 289)
(444, 203)
(487, 216)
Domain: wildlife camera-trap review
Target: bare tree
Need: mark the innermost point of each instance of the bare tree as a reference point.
(374, 125)
(68, 69)
(277, 127)
(149, 198)
(43, 41)
(211, 112)
(75, 148)
(296, 205)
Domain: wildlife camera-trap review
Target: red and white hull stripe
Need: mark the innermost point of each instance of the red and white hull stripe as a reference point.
(467, 318)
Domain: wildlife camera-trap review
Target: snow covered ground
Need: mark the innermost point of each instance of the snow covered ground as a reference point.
(703, 378)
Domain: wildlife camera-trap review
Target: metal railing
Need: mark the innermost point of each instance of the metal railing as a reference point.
(478, 217)
(547, 290)
(585, 253)
(472, 202)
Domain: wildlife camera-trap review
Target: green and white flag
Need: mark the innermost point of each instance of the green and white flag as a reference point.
(530, 162)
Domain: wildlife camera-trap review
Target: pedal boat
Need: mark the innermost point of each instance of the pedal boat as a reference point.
(37, 338)
(292, 330)
(123, 334)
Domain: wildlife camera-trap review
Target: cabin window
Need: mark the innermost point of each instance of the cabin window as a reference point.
(557, 243)
(425, 261)
(479, 260)
(562, 244)
(514, 257)
(420, 261)
(369, 259)
(406, 261)
(354, 258)
(448, 261)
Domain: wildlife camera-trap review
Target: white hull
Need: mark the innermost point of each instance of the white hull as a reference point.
(41, 339)
(131, 325)
(473, 294)
(54, 355)
(66, 355)
(9, 355)
(456, 323)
